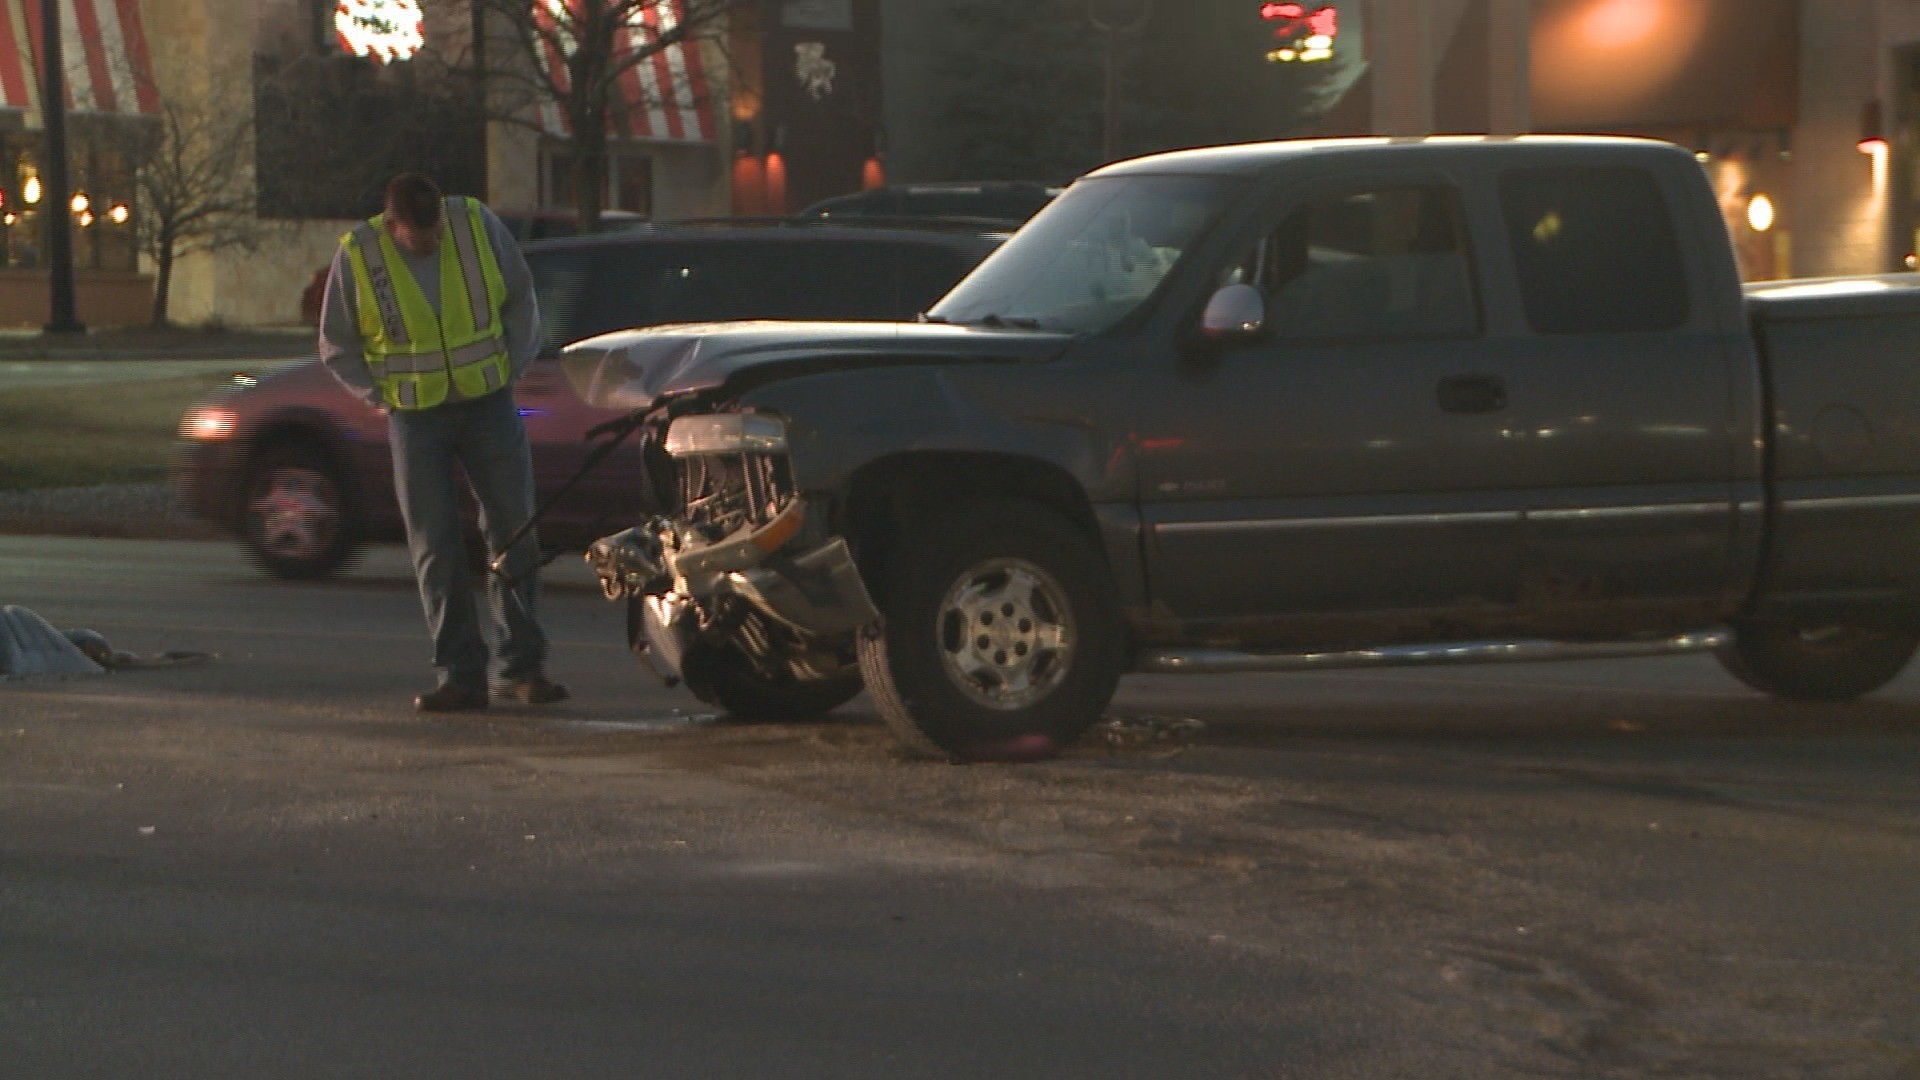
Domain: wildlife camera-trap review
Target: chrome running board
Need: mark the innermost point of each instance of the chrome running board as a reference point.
(1220, 662)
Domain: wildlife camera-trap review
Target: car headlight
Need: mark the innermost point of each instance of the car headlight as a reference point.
(729, 433)
(205, 423)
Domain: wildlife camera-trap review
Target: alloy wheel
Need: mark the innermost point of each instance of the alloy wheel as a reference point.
(295, 513)
(1006, 634)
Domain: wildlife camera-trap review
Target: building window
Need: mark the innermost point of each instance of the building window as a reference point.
(101, 213)
(629, 180)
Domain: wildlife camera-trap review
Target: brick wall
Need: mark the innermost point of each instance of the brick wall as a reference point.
(1837, 219)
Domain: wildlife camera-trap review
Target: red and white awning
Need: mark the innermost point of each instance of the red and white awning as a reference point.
(103, 51)
(666, 94)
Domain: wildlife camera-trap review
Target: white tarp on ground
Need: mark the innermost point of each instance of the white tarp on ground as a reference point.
(29, 646)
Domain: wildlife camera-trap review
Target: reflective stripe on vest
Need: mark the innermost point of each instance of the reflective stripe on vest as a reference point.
(419, 358)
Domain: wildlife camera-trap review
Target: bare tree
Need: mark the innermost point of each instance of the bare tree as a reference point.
(572, 54)
(193, 170)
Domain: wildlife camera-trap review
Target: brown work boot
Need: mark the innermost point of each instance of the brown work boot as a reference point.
(451, 697)
(538, 690)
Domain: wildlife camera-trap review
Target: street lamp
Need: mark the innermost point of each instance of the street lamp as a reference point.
(1113, 18)
(53, 114)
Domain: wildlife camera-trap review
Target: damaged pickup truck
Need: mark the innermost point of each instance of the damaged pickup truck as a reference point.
(1291, 406)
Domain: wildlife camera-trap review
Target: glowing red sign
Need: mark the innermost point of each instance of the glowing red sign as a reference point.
(1301, 34)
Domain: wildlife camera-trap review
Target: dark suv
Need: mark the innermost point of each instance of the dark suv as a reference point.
(1008, 201)
(299, 469)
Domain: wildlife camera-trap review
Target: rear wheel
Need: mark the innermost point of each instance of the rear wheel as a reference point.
(297, 524)
(723, 678)
(1829, 663)
(1000, 628)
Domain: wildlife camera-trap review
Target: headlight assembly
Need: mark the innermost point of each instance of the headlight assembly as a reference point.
(728, 433)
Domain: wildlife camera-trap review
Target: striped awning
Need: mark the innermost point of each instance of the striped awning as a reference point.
(103, 53)
(665, 95)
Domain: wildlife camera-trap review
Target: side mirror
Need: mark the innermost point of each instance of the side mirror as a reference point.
(1236, 313)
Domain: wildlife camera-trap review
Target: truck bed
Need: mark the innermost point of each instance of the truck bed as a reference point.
(1841, 361)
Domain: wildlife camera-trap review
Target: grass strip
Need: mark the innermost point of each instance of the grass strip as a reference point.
(84, 434)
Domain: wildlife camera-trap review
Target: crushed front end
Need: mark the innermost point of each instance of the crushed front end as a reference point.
(739, 580)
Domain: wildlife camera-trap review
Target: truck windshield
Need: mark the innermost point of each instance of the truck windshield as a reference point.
(1092, 257)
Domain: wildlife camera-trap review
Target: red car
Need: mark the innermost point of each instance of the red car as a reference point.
(299, 469)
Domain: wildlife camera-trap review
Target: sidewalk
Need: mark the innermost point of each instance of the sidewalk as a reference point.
(142, 343)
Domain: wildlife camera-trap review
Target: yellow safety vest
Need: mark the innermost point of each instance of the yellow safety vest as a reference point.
(419, 359)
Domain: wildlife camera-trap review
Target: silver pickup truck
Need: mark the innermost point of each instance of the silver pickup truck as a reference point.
(1289, 406)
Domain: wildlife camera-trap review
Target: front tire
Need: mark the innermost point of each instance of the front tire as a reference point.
(1832, 663)
(1000, 627)
(297, 523)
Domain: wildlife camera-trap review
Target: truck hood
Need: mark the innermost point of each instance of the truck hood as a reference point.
(636, 369)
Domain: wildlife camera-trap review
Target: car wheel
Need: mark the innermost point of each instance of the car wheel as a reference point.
(721, 677)
(1829, 663)
(297, 522)
(1000, 629)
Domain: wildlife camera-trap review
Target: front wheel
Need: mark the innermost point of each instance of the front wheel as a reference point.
(1830, 663)
(297, 524)
(1000, 626)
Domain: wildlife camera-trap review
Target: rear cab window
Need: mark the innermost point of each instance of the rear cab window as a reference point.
(1595, 250)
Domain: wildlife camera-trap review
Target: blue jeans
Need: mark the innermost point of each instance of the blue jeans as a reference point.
(487, 439)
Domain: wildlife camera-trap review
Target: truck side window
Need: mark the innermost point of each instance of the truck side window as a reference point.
(1595, 249)
(1369, 265)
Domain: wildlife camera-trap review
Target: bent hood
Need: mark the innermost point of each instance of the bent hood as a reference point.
(636, 369)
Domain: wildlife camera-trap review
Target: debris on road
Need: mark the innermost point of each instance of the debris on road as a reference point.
(30, 646)
(1135, 732)
(99, 650)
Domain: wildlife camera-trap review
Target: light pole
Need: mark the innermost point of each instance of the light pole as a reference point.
(54, 193)
(1114, 18)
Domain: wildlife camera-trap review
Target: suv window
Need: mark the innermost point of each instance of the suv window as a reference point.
(583, 292)
(1367, 265)
(560, 289)
(1595, 249)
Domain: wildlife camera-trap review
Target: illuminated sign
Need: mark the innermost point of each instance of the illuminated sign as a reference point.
(381, 30)
(1302, 33)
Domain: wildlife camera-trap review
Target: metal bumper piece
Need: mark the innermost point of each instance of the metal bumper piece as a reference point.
(819, 594)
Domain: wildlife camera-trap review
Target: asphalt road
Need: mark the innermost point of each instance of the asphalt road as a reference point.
(266, 866)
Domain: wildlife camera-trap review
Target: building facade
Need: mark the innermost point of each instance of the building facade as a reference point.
(1805, 113)
(111, 98)
(330, 110)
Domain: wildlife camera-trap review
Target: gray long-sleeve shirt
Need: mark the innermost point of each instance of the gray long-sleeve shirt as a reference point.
(343, 350)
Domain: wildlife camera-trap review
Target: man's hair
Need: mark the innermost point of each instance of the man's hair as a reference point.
(413, 199)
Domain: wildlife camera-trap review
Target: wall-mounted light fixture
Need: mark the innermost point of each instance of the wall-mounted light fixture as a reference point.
(1873, 134)
(1760, 213)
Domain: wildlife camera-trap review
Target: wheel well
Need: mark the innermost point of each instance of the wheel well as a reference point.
(889, 496)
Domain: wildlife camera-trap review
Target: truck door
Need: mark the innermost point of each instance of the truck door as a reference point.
(1624, 394)
(1357, 461)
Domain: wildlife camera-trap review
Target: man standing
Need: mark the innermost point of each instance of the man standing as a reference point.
(429, 316)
